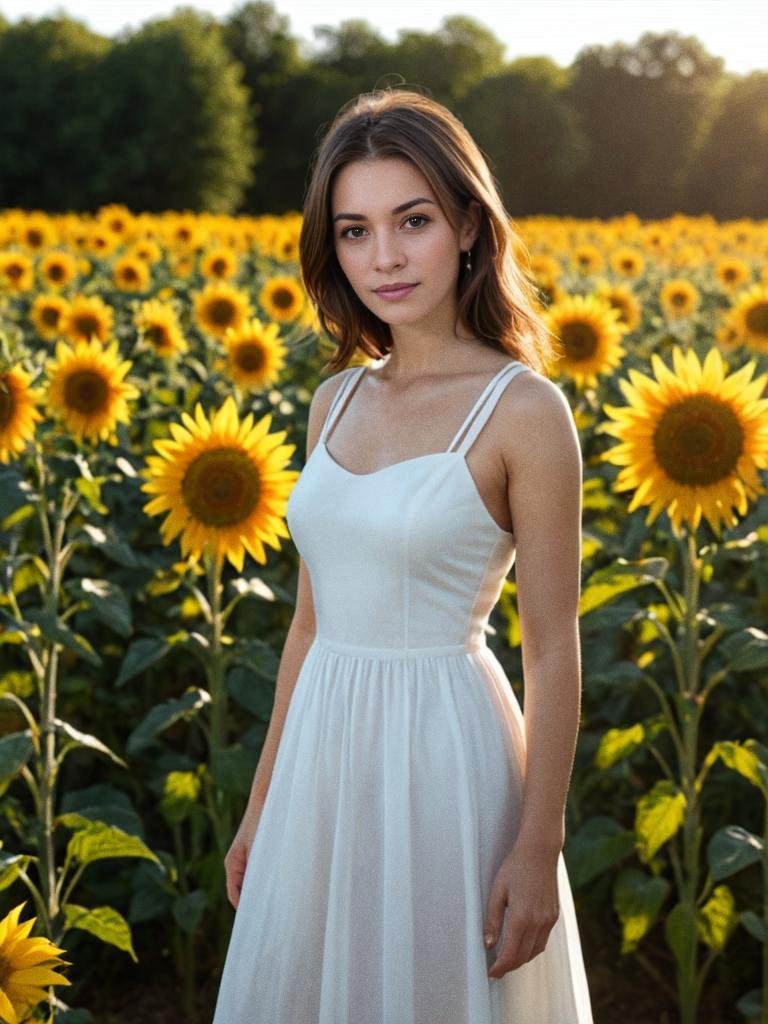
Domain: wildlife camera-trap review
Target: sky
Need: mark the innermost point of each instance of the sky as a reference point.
(730, 29)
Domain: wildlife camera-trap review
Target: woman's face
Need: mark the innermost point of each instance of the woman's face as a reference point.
(388, 229)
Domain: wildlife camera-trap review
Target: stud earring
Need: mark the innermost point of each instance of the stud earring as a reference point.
(468, 261)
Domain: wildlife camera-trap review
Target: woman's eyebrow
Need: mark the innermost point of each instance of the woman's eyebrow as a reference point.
(397, 209)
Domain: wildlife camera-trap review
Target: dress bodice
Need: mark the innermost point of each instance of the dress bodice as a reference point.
(405, 559)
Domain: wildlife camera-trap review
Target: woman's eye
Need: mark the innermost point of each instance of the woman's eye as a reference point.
(355, 227)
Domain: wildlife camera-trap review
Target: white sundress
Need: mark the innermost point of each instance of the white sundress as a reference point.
(397, 787)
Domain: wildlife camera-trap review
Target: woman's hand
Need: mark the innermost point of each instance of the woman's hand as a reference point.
(526, 884)
(237, 855)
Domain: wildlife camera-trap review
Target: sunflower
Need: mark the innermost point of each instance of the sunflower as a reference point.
(145, 249)
(18, 412)
(102, 240)
(622, 298)
(628, 262)
(679, 297)
(131, 274)
(589, 331)
(57, 269)
(38, 232)
(220, 306)
(87, 390)
(219, 263)
(255, 355)
(117, 218)
(282, 298)
(17, 272)
(587, 259)
(732, 273)
(749, 316)
(159, 325)
(692, 440)
(47, 313)
(87, 315)
(26, 967)
(223, 483)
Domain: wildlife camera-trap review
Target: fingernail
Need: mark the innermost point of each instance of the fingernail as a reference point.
(488, 939)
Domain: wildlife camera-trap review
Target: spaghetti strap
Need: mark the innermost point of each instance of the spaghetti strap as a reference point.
(484, 406)
(345, 390)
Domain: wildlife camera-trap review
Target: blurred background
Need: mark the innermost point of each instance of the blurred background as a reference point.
(585, 109)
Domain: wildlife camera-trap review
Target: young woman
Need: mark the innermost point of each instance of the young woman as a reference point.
(410, 810)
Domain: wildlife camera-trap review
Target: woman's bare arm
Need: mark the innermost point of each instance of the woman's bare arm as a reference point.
(543, 459)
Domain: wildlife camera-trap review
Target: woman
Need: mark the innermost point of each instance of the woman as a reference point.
(409, 809)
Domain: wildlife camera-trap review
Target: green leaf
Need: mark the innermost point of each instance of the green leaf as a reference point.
(750, 1005)
(617, 744)
(108, 602)
(637, 900)
(233, 767)
(11, 865)
(658, 816)
(251, 692)
(91, 491)
(188, 910)
(139, 656)
(747, 650)
(105, 923)
(84, 739)
(612, 581)
(15, 750)
(681, 933)
(717, 919)
(598, 845)
(731, 849)
(259, 656)
(31, 572)
(16, 495)
(747, 758)
(753, 924)
(107, 541)
(54, 630)
(162, 716)
(95, 840)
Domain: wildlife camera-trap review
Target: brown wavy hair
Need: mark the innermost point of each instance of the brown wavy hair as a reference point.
(497, 299)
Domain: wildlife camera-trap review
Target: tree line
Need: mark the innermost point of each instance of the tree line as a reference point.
(197, 113)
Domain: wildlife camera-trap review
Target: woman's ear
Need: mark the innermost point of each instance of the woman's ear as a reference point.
(470, 230)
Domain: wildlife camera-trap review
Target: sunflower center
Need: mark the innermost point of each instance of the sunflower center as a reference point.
(221, 311)
(579, 339)
(87, 325)
(219, 266)
(282, 298)
(86, 391)
(221, 487)
(698, 441)
(56, 272)
(6, 403)
(249, 356)
(50, 316)
(757, 318)
(679, 298)
(158, 335)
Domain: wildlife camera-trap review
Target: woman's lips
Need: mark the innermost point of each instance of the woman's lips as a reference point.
(397, 293)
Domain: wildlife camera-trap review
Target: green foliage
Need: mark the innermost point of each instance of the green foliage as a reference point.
(160, 118)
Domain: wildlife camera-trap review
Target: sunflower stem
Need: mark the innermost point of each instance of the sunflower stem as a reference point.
(690, 706)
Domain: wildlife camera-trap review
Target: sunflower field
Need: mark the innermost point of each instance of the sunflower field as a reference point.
(155, 377)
